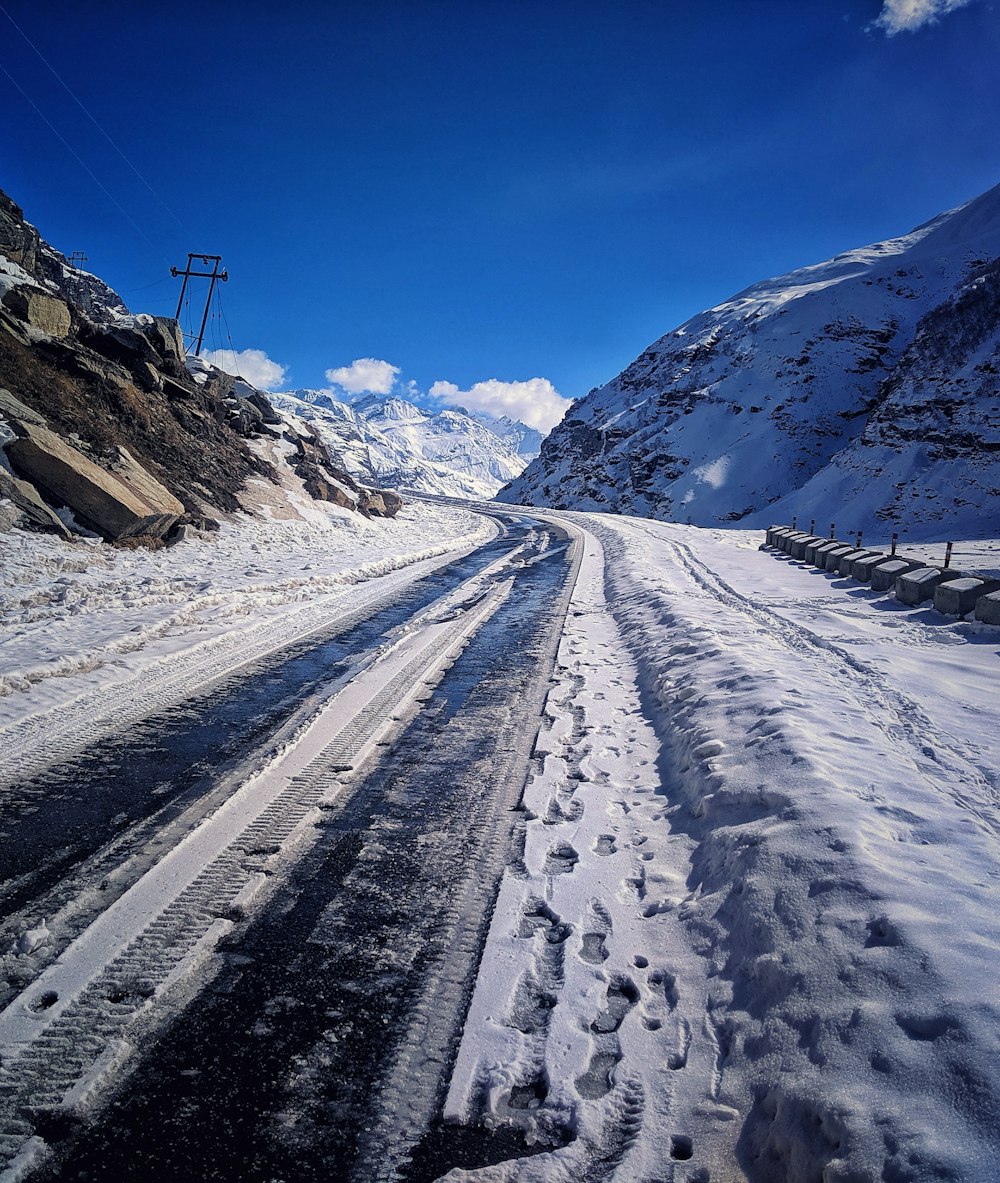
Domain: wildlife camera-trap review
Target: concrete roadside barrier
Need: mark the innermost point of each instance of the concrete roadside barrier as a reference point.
(797, 546)
(884, 576)
(819, 553)
(988, 608)
(916, 586)
(846, 562)
(788, 540)
(832, 557)
(956, 597)
(861, 569)
(814, 549)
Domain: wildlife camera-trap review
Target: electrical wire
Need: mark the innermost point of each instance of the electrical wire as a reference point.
(79, 159)
(79, 102)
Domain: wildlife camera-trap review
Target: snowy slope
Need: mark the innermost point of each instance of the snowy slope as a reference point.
(389, 441)
(526, 441)
(754, 402)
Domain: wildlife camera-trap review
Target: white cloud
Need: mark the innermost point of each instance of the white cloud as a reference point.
(365, 375)
(906, 16)
(252, 364)
(535, 402)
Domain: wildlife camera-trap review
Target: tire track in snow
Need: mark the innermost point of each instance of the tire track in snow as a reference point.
(70, 1028)
(41, 740)
(899, 717)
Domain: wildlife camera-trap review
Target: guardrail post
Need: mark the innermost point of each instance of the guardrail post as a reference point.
(947, 554)
(833, 529)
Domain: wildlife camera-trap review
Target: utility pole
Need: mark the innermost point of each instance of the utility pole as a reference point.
(78, 287)
(215, 275)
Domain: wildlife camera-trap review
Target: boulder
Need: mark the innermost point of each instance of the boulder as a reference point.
(164, 334)
(914, 587)
(392, 501)
(267, 412)
(372, 504)
(26, 498)
(47, 314)
(99, 498)
(958, 596)
(143, 484)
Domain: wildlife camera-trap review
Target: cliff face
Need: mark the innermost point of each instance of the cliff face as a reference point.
(812, 393)
(100, 417)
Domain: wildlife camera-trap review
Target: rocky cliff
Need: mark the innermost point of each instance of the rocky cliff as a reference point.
(862, 389)
(103, 427)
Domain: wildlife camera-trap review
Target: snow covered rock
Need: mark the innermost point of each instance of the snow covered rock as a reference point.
(31, 939)
(867, 384)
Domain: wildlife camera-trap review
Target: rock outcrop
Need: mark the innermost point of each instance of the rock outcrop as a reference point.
(132, 505)
(103, 418)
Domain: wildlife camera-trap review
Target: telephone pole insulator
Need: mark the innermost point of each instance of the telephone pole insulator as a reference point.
(215, 275)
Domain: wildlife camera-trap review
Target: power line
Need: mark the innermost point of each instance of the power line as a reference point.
(78, 158)
(79, 102)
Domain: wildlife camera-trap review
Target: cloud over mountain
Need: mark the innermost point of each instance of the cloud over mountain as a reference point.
(365, 375)
(534, 401)
(252, 364)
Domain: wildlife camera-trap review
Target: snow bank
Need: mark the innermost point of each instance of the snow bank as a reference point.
(76, 617)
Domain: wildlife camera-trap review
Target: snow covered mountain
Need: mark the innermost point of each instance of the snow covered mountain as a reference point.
(863, 389)
(525, 440)
(389, 441)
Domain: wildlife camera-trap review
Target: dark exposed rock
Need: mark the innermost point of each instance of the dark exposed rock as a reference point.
(36, 514)
(181, 439)
(13, 408)
(22, 244)
(321, 476)
(109, 421)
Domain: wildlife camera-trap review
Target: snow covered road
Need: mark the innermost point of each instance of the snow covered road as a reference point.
(775, 798)
(741, 924)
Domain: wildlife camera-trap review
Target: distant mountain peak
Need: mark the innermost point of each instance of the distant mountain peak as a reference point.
(387, 440)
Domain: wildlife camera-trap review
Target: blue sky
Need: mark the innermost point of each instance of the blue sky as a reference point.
(494, 192)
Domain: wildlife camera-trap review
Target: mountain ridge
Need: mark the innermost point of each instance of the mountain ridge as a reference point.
(758, 407)
(388, 440)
